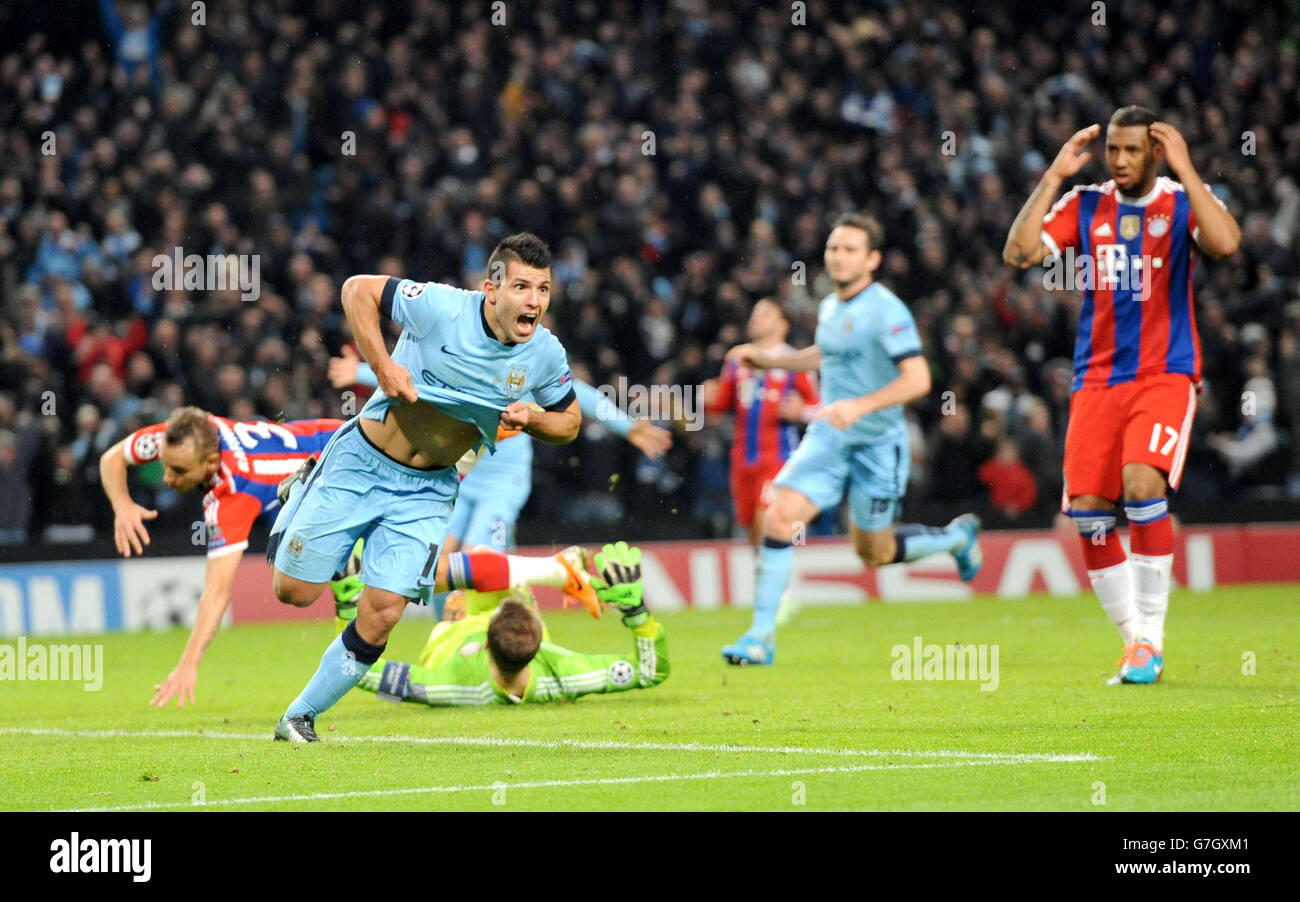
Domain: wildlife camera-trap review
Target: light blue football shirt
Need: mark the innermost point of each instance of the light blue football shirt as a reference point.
(862, 341)
(459, 366)
(592, 403)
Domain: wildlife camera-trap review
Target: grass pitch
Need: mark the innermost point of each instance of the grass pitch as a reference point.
(827, 728)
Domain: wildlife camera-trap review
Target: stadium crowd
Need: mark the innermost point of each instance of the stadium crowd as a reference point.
(682, 158)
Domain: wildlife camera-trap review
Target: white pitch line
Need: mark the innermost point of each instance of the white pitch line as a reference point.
(583, 744)
(542, 784)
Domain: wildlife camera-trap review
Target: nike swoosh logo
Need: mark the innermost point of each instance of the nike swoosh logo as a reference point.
(452, 353)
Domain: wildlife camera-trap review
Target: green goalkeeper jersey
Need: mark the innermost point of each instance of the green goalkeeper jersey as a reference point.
(453, 668)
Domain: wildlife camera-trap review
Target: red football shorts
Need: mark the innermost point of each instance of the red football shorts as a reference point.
(750, 486)
(1148, 420)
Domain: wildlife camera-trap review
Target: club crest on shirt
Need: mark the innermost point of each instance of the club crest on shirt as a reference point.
(515, 380)
(295, 546)
(1129, 226)
(848, 324)
(1158, 225)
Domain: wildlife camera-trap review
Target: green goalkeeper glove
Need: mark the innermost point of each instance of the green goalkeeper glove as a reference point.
(620, 567)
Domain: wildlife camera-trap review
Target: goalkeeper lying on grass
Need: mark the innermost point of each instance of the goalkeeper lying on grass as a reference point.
(500, 653)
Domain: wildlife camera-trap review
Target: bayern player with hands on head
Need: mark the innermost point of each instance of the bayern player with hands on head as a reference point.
(1137, 358)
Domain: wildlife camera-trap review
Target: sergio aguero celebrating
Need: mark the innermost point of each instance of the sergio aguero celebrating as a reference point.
(870, 359)
(462, 362)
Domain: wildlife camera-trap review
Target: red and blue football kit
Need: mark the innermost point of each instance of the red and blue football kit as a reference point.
(1137, 358)
(255, 457)
(762, 441)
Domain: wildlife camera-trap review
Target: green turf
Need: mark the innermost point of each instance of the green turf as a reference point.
(1207, 737)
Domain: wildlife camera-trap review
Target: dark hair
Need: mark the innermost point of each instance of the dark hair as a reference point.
(1132, 115)
(869, 224)
(187, 423)
(513, 637)
(778, 304)
(525, 247)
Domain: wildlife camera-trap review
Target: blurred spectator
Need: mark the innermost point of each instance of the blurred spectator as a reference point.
(1042, 452)
(1253, 444)
(682, 159)
(15, 468)
(955, 454)
(1011, 486)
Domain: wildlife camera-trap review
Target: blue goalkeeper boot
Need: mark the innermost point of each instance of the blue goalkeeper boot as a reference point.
(969, 556)
(750, 649)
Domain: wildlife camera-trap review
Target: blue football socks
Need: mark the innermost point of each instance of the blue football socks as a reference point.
(775, 561)
(342, 666)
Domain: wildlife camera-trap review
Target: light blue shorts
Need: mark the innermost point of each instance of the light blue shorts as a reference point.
(356, 490)
(826, 464)
(493, 494)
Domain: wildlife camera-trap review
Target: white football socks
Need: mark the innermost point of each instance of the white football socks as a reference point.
(1151, 594)
(1114, 588)
(535, 571)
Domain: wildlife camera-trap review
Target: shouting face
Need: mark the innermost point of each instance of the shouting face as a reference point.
(517, 304)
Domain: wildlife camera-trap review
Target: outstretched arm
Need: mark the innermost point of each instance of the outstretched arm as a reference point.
(579, 674)
(218, 586)
(569, 674)
(809, 358)
(651, 440)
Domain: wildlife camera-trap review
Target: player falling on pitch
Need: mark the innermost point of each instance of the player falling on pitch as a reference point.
(239, 464)
(500, 654)
(1137, 359)
(870, 359)
(461, 364)
(242, 464)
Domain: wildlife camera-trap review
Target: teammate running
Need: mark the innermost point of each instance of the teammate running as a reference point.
(870, 359)
(1137, 357)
